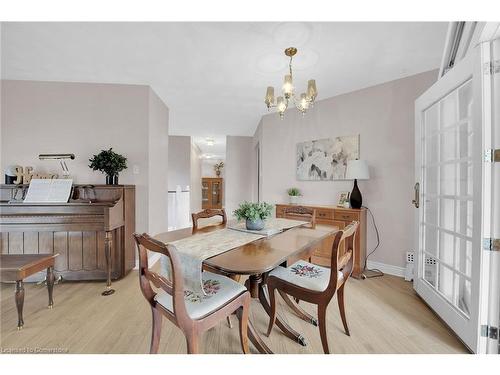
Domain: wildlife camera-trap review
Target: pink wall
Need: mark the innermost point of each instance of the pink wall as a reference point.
(383, 115)
(84, 118)
(238, 172)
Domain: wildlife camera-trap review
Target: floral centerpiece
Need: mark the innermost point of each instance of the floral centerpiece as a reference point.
(254, 214)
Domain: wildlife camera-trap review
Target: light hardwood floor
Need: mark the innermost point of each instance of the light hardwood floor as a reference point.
(384, 315)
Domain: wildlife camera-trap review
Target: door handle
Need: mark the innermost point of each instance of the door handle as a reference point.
(416, 200)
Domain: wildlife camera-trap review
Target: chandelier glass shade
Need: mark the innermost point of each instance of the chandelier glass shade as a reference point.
(302, 102)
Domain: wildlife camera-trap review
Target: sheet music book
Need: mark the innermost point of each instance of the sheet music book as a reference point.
(55, 190)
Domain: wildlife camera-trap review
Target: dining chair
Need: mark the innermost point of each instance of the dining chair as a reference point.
(315, 284)
(192, 313)
(207, 214)
(301, 213)
(304, 214)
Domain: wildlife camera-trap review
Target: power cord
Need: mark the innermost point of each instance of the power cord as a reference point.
(376, 272)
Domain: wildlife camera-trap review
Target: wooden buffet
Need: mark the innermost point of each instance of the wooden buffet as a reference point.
(338, 217)
(92, 233)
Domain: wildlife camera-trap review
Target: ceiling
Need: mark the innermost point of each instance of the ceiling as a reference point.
(213, 76)
(217, 150)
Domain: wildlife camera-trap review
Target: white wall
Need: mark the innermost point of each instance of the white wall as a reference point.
(195, 199)
(383, 115)
(158, 164)
(238, 174)
(207, 167)
(83, 118)
(179, 162)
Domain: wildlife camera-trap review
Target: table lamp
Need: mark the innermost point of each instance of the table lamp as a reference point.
(356, 170)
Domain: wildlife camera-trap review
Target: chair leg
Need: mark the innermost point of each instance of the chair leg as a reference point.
(237, 279)
(297, 309)
(192, 343)
(272, 302)
(244, 325)
(340, 299)
(322, 327)
(156, 331)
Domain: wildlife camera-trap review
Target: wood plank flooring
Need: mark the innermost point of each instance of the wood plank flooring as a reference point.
(384, 316)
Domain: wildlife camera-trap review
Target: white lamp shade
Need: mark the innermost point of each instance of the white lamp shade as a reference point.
(357, 169)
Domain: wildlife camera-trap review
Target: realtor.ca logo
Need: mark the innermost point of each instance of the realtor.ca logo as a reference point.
(36, 350)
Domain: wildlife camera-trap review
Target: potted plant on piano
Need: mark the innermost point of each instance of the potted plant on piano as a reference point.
(109, 162)
(254, 214)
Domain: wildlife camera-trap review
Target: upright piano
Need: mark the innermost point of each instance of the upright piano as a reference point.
(92, 233)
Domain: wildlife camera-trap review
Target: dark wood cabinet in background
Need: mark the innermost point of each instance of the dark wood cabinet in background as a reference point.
(211, 192)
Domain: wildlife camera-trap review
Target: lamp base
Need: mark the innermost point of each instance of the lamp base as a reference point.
(356, 199)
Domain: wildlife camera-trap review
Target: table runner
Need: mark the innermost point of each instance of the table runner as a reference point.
(272, 226)
(193, 250)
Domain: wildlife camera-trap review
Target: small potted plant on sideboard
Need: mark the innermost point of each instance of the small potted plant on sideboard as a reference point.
(294, 194)
(109, 162)
(254, 214)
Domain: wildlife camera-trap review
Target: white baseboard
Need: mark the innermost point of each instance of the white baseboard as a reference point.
(386, 268)
(152, 259)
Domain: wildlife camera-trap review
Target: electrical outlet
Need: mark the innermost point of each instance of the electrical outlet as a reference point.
(135, 169)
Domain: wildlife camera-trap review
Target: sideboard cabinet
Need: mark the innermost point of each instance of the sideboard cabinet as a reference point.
(337, 217)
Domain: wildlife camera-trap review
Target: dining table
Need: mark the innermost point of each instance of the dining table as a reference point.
(256, 259)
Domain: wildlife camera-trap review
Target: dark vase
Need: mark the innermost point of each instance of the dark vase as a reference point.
(356, 199)
(112, 180)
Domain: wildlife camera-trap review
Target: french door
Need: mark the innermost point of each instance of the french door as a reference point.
(448, 197)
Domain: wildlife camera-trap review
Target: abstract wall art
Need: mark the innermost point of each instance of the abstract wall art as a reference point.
(326, 159)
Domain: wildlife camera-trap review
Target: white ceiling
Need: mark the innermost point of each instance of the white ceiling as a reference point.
(213, 76)
(215, 151)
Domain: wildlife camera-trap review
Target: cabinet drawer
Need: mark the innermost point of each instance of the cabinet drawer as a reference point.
(324, 214)
(346, 216)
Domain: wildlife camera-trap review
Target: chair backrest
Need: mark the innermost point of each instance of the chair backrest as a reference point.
(173, 286)
(301, 213)
(208, 213)
(344, 261)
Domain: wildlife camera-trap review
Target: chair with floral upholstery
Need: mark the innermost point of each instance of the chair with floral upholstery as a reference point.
(192, 313)
(315, 284)
(209, 213)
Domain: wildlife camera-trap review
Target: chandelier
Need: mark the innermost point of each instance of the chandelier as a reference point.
(302, 102)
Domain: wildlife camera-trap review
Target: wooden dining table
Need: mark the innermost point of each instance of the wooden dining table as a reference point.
(256, 259)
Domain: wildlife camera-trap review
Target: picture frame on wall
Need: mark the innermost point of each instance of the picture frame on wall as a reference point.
(325, 159)
(344, 199)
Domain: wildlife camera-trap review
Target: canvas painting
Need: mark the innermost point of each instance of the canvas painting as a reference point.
(326, 159)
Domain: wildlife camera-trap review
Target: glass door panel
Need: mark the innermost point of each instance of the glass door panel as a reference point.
(216, 194)
(447, 140)
(448, 226)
